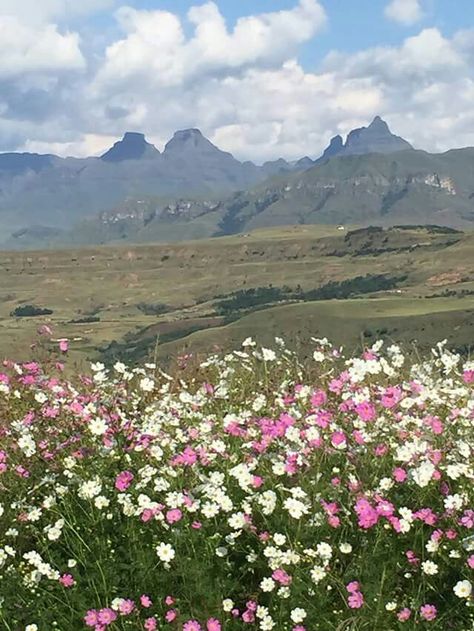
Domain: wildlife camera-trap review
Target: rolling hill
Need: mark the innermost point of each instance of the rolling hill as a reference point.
(403, 284)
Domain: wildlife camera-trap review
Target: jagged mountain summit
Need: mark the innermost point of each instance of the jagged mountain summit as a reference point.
(133, 146)
(191, 142)
(376, 138)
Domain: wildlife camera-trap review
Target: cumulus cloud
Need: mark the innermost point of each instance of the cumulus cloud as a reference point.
(243, 85)
(155, 43)
(44, 11)
(24, 49)
(406, 12)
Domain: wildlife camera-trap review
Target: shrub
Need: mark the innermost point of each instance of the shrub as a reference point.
(30, 311)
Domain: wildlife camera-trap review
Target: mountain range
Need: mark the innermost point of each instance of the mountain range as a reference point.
(192, 189)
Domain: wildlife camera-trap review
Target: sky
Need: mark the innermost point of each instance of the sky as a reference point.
(262, 79)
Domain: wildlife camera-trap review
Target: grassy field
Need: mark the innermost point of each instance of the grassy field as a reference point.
(133, 294)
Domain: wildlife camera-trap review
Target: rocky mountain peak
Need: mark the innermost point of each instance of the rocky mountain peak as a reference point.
(189, 141)
(376, 138)
(379, 125)
(133, 146)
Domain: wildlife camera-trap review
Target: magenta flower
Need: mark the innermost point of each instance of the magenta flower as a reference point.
(213, 625)
(91, 618)
(150, 624)
(174, 515)
(428, 612)
(404, 614)
(356, 600)
(106, 616)
(171, 615)
(123, 481)
(63, 345)
(192, 625)
(126, 607)
(145, 601)
(282, 577)
(67, 580)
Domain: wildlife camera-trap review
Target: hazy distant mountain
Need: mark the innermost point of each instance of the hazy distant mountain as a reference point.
(133, 146)
(376, 138)
(47, 191)
(193, 189)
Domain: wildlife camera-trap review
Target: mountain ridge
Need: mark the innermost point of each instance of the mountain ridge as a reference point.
(193, 189)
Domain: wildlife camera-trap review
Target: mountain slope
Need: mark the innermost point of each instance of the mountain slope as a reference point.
(50, 191)
(410, 187)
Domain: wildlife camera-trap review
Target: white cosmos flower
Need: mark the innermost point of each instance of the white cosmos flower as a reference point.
(429, 568)
(165, 552)
(268, 355)
(463, 589)
(267, 585)
(98, 427)
(298, 615)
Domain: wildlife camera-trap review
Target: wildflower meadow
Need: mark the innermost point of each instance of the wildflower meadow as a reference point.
(247, 491)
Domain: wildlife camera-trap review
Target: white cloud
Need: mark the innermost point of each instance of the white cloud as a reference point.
(242, 85)
(44, 11)
(24, 49)
(406, 12)
(155, 43)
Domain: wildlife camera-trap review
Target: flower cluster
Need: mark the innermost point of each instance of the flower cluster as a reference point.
(253, 491)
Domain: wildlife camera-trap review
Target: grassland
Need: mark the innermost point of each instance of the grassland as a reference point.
(97, 295)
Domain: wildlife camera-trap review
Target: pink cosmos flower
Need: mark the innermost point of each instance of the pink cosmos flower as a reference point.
(404, 614)
(367, 515)
(91, 618)
(338, 439)
(150, 624)
(318, 398)
(468, 376)
(123, 481)
(171, 615)
(67, 580)
(400, 474)
(428, 612)
(106, 616)
(366, 411)
(391, 397)
(282, 577)
(169, 600)
(126, 607)
(470, 561)
(248, 616)
(213, 625)
(174, 515)
(63, 345)
(192, 625)
(467, 520)
(356, 600)
(145, 601)
(353, 586)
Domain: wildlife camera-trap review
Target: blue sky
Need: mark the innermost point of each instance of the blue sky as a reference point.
(352, 25)
(262, 79)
